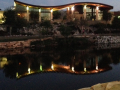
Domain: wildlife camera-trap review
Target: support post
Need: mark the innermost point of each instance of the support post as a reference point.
(39, 15)
(72, 14)
(84, 14)
(27, 13)
(51, 14)
(97, 10)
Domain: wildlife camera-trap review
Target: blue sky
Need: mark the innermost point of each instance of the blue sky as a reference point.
(7, 3)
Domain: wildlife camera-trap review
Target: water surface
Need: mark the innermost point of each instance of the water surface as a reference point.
(58, 69)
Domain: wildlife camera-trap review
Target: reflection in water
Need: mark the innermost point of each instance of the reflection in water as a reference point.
(73, 62)
(3, 61)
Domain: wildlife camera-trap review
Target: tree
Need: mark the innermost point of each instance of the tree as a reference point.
(116, 22)
(65, 30)
(46, 27)
(56, 14)
(13, 19)
(10, 16)
(47, 24)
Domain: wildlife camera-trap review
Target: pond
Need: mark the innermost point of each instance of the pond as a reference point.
(58, 69)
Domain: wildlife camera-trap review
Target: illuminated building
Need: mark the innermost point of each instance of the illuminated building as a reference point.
(79, 10)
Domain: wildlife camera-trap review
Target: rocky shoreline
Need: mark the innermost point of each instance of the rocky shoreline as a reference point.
(114, 85)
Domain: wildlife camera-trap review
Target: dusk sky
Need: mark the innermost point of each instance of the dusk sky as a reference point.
(7, 3)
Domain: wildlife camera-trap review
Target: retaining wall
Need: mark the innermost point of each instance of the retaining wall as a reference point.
(107, 39)
(16, 44)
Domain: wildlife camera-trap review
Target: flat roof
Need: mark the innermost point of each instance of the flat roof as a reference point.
(58, 7)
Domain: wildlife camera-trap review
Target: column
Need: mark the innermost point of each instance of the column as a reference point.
(84, 10)
(27, 16)
(72, 12)
(97, 10)
(51, 14)
(39, 15)
(68, 12)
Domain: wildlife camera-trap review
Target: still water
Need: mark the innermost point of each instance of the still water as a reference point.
(58, 69)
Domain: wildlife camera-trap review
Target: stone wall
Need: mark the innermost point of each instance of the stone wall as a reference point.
(107, 39)
(16, 44)
(114, 85)
(20, 44)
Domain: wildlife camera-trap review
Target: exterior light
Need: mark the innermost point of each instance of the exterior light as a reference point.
(27, 8)
(14, 4)
(73, 8)
(85, 6)
(51, 10)
(39, 10)
(118, 16)
(97, 8)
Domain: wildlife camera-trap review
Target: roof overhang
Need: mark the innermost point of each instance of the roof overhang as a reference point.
(59, 7)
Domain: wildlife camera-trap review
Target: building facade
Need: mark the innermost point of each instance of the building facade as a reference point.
(79, 10)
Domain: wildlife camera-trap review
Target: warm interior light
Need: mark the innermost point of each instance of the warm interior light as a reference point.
(18, 14)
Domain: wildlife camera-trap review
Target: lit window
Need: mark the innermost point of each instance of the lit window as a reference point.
(18, 14)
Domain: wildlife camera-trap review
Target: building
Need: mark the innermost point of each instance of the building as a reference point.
(117, 13)
(79, 10)
(1, 16)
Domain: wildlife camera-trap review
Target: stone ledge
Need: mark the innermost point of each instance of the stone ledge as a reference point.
(115, 85)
